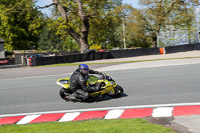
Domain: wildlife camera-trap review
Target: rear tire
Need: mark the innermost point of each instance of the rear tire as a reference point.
(118, 92)
(64, 92)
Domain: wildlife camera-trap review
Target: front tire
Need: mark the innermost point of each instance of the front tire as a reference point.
(119, 91)
(64, 92)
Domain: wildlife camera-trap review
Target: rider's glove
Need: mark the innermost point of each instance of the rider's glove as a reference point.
(98, 86)
(100, 73)
(95, 88)
(104, 75)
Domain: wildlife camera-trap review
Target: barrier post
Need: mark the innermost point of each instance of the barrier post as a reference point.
(162, 50)
(29, 59)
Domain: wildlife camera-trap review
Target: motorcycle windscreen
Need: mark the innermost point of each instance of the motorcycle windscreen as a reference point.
(91, 80)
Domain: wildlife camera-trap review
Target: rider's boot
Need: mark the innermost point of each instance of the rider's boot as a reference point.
(82, 94)
(72, 97)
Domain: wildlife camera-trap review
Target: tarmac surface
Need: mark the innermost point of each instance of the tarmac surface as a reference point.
(182, 124)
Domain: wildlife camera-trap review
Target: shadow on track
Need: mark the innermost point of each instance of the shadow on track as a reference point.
(92, 100)
(106, 98)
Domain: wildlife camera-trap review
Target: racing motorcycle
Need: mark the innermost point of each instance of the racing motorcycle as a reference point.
(107, 87)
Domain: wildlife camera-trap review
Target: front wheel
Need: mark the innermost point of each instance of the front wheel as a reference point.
(118, 91)
(64, 92)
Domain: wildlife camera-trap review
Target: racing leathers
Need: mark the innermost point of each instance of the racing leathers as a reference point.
(78, 85)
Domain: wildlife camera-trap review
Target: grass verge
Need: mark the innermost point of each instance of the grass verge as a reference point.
(138, 125)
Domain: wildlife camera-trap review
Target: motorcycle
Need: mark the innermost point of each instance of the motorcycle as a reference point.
(107, 87)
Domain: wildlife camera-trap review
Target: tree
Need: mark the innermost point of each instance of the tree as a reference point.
(160, 14)
(138, 35)
(20, 24)
(50, 41)
(104, 26)
(124, 32)
(76, 15)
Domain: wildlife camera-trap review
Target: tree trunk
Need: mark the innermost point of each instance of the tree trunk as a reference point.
(154, 41)
(84, 29)
(83, 43)
(84, 34)
(82, 37)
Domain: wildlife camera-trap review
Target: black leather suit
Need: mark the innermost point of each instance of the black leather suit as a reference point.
(78, 84)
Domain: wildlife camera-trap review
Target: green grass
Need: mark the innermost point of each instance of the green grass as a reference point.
(75, 64)
(91, 126)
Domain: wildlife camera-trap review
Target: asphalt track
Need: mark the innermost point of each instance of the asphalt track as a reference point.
(34, 89)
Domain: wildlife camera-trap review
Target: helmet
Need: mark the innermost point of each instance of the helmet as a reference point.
(84, 69)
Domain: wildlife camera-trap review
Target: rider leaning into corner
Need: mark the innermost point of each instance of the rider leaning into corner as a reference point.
(78, 83)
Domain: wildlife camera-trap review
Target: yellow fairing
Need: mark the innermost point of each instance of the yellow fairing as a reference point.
(108, 88)
(66, 86)
(63, 82)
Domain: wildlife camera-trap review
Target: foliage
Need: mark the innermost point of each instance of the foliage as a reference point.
(107, 23)
(66, 42)
(19, 24)
(104, 25)
(163, 15)
(133, 33)
(95, 46)
(70, 44)
(50, 41)
(81, 18)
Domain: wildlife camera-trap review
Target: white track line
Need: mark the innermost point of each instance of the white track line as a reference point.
(134, 65)
(35, 76)
(106, 108)
(150, 64)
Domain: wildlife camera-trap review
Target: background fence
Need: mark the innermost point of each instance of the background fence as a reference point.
(7, 61)
(67, 57)
(110, 54)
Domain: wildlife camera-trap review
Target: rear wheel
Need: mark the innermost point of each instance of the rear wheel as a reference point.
(64, 92)
(118, 91)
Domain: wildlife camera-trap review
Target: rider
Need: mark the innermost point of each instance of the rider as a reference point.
(78, 83)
